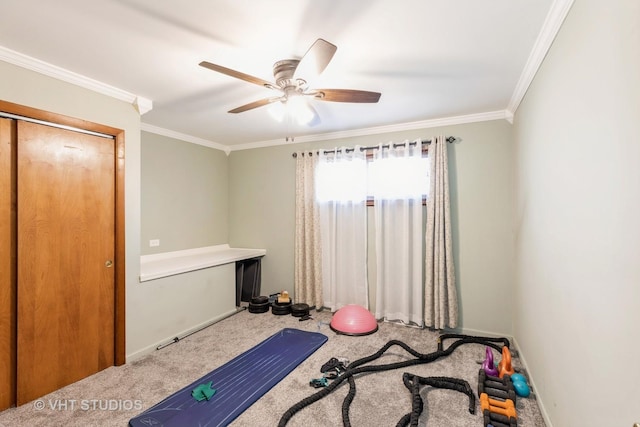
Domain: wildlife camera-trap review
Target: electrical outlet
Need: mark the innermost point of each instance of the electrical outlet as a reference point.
(153, 243)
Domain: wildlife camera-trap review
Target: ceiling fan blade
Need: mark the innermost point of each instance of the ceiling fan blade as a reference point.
(345, 95)
(315, 60)
(255, 104)
(237, 74)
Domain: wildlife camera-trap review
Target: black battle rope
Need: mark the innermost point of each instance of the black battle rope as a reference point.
(414, 382)
(355, 368)
(490, 341)
(346, 404)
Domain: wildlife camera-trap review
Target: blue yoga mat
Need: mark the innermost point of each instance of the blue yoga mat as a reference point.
(238, 383)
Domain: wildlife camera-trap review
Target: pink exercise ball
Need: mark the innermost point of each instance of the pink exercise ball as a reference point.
(353, 320)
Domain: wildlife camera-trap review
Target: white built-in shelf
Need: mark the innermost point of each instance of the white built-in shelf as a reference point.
(170, 263)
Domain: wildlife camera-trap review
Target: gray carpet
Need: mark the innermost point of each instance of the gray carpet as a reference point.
(113, 396)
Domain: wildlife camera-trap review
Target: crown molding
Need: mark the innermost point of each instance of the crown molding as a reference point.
(424, 124)
(184, 137)
(556, 16)
(141, 104)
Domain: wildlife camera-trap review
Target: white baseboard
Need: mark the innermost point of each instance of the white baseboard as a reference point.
(521, 357)
(532, 383)
(151, 348)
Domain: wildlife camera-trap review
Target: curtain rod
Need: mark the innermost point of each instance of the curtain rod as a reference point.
(449, 139)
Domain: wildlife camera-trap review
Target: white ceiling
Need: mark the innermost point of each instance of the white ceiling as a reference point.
(430, 59)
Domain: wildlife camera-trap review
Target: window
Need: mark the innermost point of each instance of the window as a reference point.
(398, 178)
(341, 180)
(369, 178)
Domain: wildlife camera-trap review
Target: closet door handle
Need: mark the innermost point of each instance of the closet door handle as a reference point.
(108, 263)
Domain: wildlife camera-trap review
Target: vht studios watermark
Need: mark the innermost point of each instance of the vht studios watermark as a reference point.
(87, 404)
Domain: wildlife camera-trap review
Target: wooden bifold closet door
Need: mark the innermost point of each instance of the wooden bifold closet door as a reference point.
(65, 253)
(7, 265)
(57, 254)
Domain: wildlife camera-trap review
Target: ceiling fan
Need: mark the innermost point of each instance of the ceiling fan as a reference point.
(291, 80)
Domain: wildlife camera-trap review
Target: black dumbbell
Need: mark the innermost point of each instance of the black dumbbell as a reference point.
(498, 420)
(501, 393)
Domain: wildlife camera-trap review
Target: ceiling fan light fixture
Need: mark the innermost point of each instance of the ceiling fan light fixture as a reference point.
(298, 109)
(278, 111)
(294, 109)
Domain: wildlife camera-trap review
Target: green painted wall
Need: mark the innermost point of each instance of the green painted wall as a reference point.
(262, 201)
(184, 196)
(577, 211)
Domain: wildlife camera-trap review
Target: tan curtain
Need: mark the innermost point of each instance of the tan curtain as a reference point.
(308, 254)
(441, 297)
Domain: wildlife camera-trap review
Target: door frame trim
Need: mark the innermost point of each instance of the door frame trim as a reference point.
(119, 214)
